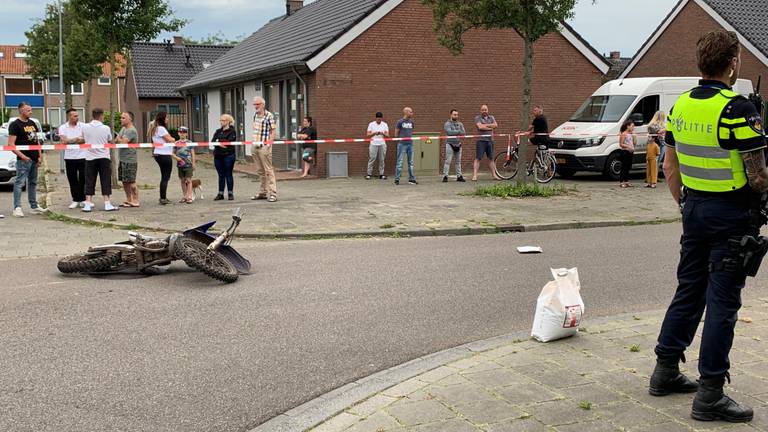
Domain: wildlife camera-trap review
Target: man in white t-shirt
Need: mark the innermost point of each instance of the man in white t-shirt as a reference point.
(97, 161)
(71, 133)
(378, 131)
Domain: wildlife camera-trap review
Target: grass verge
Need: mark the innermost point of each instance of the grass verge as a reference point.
(519, 190)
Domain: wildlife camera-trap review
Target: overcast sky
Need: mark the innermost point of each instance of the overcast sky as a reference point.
(609, 25)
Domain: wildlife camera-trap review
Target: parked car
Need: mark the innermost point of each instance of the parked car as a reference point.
(7, 158)
(589, 141)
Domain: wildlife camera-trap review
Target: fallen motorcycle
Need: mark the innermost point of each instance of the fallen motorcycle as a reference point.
(210, 254)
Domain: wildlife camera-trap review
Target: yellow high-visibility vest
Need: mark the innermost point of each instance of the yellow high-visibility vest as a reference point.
(696, 125)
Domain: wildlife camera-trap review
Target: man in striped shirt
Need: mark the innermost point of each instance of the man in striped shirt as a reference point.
(263, 137)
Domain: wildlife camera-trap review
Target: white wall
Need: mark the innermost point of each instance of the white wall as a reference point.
(249, 92)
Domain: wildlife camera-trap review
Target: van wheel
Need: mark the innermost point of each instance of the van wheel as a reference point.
(566, 173)
(612, 169)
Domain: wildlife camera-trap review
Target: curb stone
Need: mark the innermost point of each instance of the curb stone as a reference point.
(500, 229)
(328, 405)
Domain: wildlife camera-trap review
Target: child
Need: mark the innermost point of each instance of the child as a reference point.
(185, 162)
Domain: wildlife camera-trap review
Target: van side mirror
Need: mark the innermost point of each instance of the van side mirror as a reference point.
(637, 119)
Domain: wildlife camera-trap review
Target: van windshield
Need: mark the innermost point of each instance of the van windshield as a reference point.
(603, 109)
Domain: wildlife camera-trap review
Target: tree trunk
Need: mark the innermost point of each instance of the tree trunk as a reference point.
(525, 118)
(88, 91)
(112, 97)
(67, 100)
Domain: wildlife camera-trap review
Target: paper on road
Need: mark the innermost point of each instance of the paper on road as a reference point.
(529, 249)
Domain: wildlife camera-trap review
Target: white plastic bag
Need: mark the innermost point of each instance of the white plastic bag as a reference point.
(559, 308)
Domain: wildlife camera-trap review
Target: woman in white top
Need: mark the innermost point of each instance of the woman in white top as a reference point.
(160, 137)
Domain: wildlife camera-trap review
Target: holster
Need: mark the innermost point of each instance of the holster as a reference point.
(750, 249)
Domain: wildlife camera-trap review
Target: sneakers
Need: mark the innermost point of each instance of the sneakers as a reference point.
(413, 182)
(382, 177)
(109, 207)
(367, 177)
(219, 197)
(397, 181)
(74, 205)
(88, 207)
(39, 210)
(231, 196)
(164, 201)
(445, 179)
(460, 179)
(260, 196)
(17, 212)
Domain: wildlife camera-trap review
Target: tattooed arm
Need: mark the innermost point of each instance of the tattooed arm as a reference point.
(754, 162)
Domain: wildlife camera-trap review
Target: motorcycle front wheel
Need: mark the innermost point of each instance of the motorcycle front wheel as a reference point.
(196, 254)
(88, 262)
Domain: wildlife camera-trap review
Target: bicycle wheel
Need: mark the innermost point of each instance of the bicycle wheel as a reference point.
(545, 168)
(505, 165)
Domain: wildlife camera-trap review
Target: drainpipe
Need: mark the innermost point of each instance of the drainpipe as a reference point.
(303, 91)
(304, 109)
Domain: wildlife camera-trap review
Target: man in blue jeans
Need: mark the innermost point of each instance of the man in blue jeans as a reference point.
(404, 129)
(23, 131)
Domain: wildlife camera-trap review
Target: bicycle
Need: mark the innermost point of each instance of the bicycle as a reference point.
(542, 166)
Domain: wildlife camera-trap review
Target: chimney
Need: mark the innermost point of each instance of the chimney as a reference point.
(615, 55)
(178, 41)
(291, 6)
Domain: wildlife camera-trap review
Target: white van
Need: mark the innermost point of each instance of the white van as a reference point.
(589, 141)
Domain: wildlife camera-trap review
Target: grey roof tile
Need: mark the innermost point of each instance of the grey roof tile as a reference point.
(287, 40)
(748, 17)
(159, 68)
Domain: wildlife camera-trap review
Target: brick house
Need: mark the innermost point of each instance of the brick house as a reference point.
(340, 61)
(154, 72)
(44, 95)
(671, 49)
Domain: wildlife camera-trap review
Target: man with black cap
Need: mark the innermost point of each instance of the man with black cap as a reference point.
(378, 132)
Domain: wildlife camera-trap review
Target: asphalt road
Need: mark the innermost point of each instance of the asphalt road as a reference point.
(177, 352)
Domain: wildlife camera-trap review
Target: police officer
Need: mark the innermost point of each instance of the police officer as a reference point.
(715, 142)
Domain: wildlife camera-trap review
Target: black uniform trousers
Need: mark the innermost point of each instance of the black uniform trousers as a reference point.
(708, 223)
(76, 177)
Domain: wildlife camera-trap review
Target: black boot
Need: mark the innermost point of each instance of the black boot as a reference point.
(667, 379)
(711, 403)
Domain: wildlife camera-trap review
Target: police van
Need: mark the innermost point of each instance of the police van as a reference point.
(589, 141)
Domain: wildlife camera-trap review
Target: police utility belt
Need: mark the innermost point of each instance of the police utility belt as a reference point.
(750, 249)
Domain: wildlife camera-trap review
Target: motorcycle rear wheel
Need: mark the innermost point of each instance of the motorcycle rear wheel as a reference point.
(88, 262)
(196, 254)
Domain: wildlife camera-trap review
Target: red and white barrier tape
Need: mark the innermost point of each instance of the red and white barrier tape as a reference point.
(227, 144)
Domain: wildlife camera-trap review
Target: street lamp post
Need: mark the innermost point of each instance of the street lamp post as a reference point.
(61, 85)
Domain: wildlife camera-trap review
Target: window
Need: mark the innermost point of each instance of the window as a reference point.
(53, 87)
(647, 107)
(169, 108)
(53, 116)
(105, 81)
(199, 118)
(2, 54)
(20, 55)
(38, 114)
(23, 86)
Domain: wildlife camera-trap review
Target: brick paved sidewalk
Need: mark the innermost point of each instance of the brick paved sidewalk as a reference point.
(355, 206)
(595, 381)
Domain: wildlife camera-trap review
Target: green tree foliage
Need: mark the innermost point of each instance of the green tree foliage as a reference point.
(532, 19)
(218, 38)
(83, 52)
(120, 23)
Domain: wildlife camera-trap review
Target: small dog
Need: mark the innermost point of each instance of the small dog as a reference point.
(197, 188)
